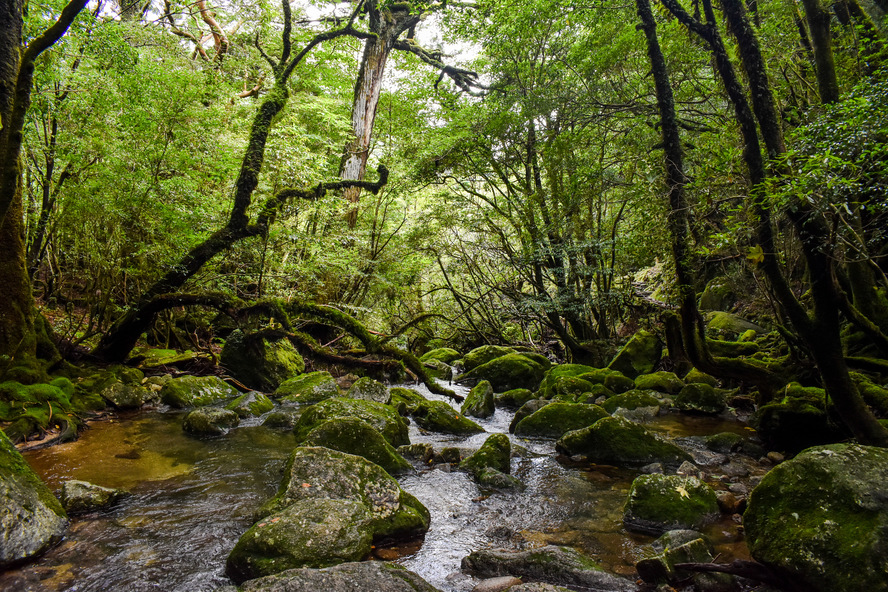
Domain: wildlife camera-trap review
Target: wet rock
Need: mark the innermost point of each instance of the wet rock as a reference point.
(80, 497)
(367, 389)
(251, 404)
(358, 437)
(307, 533)
(662, 382)
(449, 454)
(570, 388)
(258, 363)
(661, 569)
(496, 584)
(508, 372)
(700, 398)
(538, 587)
(639, 356)
(442, 354)
(196, 391)
(728, 503)
(383, 418)
(527, 410)
(405, 400)
(632, 399)
(697, 377)
(550, 564)
(493, 479)
(307, 389)
(479, 402)
(495, 453)
(366, 576)
(514, 398)
(128, 396)
(775, 457)
(589, 374)
(315, 473)
(598, 392)
(617, 383)
(658, 503)
(652, 468)
(821, 519)
(615, 440)
(210, 421)
(32, 519)
(438, 369)
(724, 442)
(482, 355)
(424, 453)
(283, 418)
(558, 418)
(675, 538)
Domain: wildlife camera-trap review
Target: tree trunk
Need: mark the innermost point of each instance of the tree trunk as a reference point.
(818, 31)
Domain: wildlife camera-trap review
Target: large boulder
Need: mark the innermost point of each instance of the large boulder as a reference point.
(482, 355)
(210, 421)
(557, 418)
(377, 576)
(321, 473)
(405, 400)
(508, 372)
(639, 356)
(383, 418)
(479, 402)
(258, 363)
(196, 391)
(438, 416)
(570, 388)
(731, 326)
(547, 388)
(700, 398)
(442, 354)
(821, 519)
(662, 382)
(527, 410)
(307, 389)
(550, 564)
(367, 389)
(31, 518)
(514, 398)
(251, 404)
(358, 437)
(495, 453)
(80, 497)
(128, 396)
(660, 503)
(616, 440)
(631, 400)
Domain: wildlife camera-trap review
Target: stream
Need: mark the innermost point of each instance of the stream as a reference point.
(193, 498)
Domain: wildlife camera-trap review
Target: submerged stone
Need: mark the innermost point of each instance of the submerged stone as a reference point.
(32, 519)
(210, 421)
(79, 497)
(821, 519)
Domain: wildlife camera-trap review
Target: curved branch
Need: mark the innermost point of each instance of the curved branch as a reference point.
(464, 79)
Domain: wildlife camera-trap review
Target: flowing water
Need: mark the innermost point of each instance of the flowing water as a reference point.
(193, 498)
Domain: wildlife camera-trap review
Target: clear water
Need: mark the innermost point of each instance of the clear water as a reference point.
(193, 498)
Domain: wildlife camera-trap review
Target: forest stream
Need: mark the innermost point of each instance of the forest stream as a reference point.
(192, 498)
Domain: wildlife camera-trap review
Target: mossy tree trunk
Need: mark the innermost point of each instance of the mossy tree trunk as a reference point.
(17, 335)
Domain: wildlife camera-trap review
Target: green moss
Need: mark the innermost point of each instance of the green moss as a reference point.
(724, 442)
(731, 349)
(558, 418)
(546, 389)
(355, 436)
(479, 402)
(383, 418)
(307, 389)
(618, 383)
(631, 400)
(514, 398)
(639, 356)
(616, 440)
(695, 376)
(405, 400)
(598, 390)
(568, 388)
(14, 465)
(438, 416)
(482, 355)
(495, 453)
(664, 382)
(196, 391)
(700, 398)
(508, 372)
(253, 403)
(658, 503)
(442, 354)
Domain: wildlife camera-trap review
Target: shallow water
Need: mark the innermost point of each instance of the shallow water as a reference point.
(193, 498)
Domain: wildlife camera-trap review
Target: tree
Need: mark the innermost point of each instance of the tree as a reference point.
(18, 336)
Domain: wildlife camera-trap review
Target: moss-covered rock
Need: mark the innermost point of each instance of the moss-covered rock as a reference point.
(873, 395)
(258, 363)
(724, 442)
(479, 402)
(732, 349)
(490, 478)
(80, 497)
(662, 382)
(378, 576)
(482, 355)
(631, 400)
(795, 422)
(550, 564)
(717, 295)
(821, 519)
(658, 503)
(527, 410)
(598, 391)
(405, 400)
(196, 391)
(314, 473)
(514, 398)
(282, 418)
(438, 416)
(358, 437)
(367, 389)
(128, 396)
(729, 325)
(662, 570)
(438, 369)
(507, 372)
(35, 408)
(307, 389)
(639, 356)
(251, 404)
(447, 355)
(616, 440)
(700, 398)
(32, 519)
(495, 453)
(617, 383)
(307, 533)
(570, 388)
(558, 418)
(697, 377)
(383, 418)
(547, 390)
(210, 421)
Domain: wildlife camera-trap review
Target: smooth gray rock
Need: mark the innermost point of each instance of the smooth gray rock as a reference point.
(79, 497)
(210, 421)
(366, 576)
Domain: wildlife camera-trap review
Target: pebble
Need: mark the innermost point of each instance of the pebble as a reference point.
(776, 457)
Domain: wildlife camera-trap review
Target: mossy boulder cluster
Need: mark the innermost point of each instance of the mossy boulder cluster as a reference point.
(378, 576)
(798, 420)
(382, 418)
(821, 519)
(258, 363)
(307, 389)
(329, 509)
(510, 371)
(32, 519)
(557, 418)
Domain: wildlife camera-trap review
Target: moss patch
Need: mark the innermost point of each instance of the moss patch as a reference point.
(658, 503)
(558, 418)
(383, 418)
